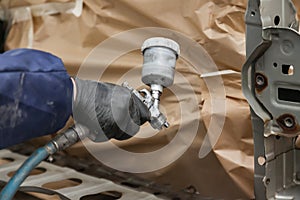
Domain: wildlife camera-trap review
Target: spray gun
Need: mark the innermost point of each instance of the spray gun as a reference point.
(160, 55)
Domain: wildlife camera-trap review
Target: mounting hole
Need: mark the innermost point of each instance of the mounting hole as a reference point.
(276, 20)
(275, 64)
(288, 69)
(107, 195)
(268, 181)
(261, 160)
(260, 80)
(253, 13)
(289, 122)
(277, 137)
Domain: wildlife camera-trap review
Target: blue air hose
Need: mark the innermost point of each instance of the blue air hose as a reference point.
(36, 158)
(70, 137)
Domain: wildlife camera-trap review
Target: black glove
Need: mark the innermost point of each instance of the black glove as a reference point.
(108, 110)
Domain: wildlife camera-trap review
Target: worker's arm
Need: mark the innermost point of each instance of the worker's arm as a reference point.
(37, 96)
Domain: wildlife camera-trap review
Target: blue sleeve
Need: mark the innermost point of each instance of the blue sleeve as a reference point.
(35, 95)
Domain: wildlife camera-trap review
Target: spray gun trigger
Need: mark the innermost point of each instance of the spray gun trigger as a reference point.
(132, 90)
(147, 98)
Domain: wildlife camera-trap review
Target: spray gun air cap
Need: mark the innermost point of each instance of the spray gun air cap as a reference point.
(160, 55)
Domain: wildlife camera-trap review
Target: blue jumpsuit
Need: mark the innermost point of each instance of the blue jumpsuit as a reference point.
(35, 95)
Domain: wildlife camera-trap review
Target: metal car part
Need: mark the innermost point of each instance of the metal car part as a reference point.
(89, 185)
(278, 13)
(272, 87)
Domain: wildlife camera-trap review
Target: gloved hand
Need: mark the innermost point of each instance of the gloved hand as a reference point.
(108, 110)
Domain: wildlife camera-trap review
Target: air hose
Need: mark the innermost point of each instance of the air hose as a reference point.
(62, 141)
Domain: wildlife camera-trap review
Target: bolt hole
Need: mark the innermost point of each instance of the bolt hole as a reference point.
(288, 122)
(276, 20)
(260, 80)
(261, 160)
(252, 13)
(275, 64)
(277, 137)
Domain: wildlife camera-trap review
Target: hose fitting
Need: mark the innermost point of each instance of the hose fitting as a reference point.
(61, 142)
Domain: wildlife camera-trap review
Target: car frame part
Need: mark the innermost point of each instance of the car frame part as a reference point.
(271, 85)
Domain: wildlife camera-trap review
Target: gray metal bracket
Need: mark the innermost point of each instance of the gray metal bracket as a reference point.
(271, 86)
